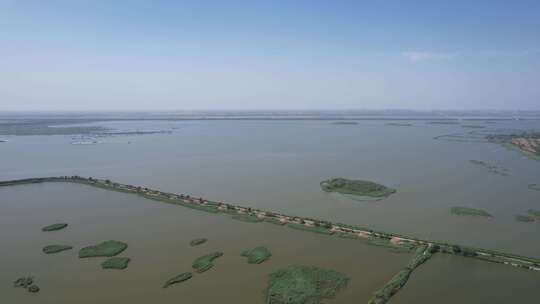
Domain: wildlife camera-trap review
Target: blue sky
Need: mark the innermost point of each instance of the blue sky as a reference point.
(190, 55)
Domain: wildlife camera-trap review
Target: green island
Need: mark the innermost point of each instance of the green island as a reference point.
(535, 213)
(56, 248)
(399, 280)
(297, 284)
(393, 241)
(356, 187)
(204, 263)
(525, 218)
(178, 279)
(527, 143)
(469, 211)
(103, 249)
(54, 227)
(26, 283)
(115, 263)
(534, 187)
(197, 242)
(494, 169)
(257, 255)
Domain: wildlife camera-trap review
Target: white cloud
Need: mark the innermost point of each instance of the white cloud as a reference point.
(416, 56)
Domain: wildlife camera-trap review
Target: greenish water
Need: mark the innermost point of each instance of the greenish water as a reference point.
(272, 165)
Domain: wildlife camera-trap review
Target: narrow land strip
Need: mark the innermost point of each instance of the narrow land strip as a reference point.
(371, 236)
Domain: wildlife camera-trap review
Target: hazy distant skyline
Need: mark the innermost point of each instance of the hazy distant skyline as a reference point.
(230, 55)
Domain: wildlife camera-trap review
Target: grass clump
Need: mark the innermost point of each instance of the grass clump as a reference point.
(299, 284)
(356, 187)
(104, 249)
(247, 218)
(116, 263)
(399, 280)
(316, 229)
(534, 187)
(524, 218)
(204, 263)
(535, 213)
(197, 242)
(56, 248)
(54, 227)
(469, 211)
(257, 255)
(178, 279)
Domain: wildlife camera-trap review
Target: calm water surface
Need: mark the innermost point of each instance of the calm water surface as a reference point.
(277, 165)
(158, 236)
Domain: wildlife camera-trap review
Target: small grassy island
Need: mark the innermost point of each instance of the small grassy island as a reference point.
(197, 242)
(204, 263)
(299, 284)
(178, 279)
(525, 218)
(534, 187)
(526, 142)
(494, 169)
(399, 280)
(104, 249)
(469, 211)
(535, 213)
(356, 187)
(257, 255)
(26, 283)
(116, 263)
(56, 248)
(54, 227)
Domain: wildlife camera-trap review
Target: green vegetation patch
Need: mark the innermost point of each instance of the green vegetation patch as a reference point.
(299, 284)
(257, 255)
(272, 220)
(56, 248)
(116, 263)
(247, 218)
(469, 211)
(178, 279)
(399, 280)
(356, 187)
(204, 263)
(534, 212)
(104, 249)
(524, 218)
(534, 187)
(316, 229)
(54, 227)
(197, 242)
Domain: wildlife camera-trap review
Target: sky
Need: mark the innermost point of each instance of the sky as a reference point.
(80, 55)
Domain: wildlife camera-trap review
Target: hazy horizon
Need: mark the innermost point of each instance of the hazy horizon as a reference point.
(243, 55)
